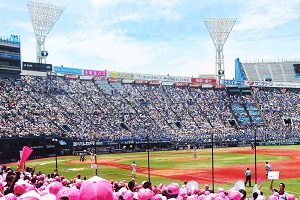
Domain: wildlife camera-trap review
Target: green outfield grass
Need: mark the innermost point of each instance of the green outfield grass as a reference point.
(169, 160)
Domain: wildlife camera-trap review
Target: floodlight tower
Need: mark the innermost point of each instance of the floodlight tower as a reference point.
(219, 30)
(43, 17)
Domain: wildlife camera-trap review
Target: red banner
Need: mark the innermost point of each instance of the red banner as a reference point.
(71, 76)
(140, 82)
(153, 82)
(180, 84)
(204, 80)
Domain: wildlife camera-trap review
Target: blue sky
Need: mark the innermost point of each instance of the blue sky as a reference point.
(158, 36)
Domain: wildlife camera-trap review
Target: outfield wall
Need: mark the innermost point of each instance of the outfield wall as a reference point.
(50, 146)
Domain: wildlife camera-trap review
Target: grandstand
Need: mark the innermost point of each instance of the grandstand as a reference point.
(132, 111)
(276, 71)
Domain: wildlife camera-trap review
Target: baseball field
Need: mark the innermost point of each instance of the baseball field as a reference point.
(166, 167)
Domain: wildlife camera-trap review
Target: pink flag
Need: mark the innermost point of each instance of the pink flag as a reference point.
(259, 181)
(25, 154)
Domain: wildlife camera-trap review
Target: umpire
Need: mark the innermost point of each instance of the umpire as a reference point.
(248, 174)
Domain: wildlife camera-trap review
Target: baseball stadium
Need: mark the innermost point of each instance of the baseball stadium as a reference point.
(85, 134)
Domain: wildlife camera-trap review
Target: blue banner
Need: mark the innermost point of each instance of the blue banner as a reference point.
(65, 70)
(9, 56)
(231, 82)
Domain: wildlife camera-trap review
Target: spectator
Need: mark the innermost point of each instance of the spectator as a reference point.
(280, 191)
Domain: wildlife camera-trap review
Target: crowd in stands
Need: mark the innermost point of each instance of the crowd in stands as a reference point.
(26, 184)
(80, 109)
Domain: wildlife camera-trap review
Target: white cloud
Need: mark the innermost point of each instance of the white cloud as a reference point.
(259, 15)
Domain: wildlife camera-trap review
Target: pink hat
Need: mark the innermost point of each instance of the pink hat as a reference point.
(219, 198)
(173, 189)
(71, 193)
(48, 197)
(10, 196)
(20, 187)
(96, 190)
(196, 190)
(30, 195)
(43, 192)
(128, 195)
(157, 197)
(290, 197)
(206, 186)
(276, 194)
(273, 197)
(234, 195)
(78, 183)
(54, 187)
(261, 197)
(183, 193)
(30, 187)
(145, 194)
(221, 194)
(192, 197)
(64, 182)
(161, 186)
(220, 190)
(154, 189)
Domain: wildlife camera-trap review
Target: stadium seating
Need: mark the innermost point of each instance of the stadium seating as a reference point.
(81, 109)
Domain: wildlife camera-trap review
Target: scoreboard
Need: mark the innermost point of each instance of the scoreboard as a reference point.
(296, 68)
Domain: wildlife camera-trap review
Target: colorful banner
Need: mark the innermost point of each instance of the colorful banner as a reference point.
(120, 75)
(89, 72)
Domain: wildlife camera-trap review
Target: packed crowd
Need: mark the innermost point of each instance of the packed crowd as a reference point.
(26, 184)
(80, 109)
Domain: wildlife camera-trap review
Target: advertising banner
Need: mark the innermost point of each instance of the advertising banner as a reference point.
(120, 75)
(71, 76)
(150, 77)
(194, 85)
(86, 78)
(153, 82)
(231, 82)
(89, 72)
(204, 80)
(65, 70)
